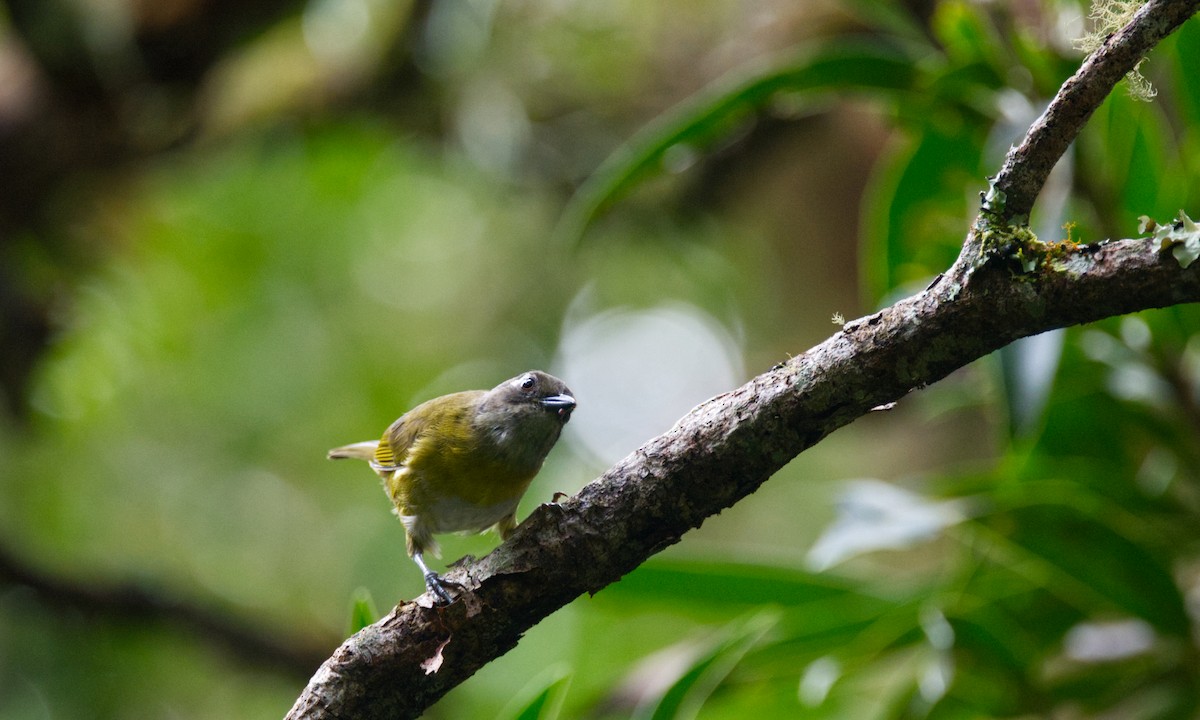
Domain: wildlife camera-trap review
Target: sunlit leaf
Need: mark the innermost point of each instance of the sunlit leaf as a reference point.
(874, 515)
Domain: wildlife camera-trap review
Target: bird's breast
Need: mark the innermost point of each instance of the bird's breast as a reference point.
(453, 514)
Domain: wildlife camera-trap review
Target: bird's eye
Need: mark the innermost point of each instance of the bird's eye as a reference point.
(528, 382)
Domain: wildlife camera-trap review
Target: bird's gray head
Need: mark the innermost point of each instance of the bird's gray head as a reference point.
(534, 390)
(524, 416)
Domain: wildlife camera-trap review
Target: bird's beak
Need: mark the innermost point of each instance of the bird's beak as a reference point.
(559, 402)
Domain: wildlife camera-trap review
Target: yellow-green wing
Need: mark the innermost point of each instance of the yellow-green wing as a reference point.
(431, 415)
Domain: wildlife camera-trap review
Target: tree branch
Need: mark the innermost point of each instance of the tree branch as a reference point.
(727, 447)
(132, 601)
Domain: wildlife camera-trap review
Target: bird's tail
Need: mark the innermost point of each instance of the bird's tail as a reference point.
(358, 451)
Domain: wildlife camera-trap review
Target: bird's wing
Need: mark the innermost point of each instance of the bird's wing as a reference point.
(402, 435)
(397, 439)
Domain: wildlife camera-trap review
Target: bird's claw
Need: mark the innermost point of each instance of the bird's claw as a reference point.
(437, 586)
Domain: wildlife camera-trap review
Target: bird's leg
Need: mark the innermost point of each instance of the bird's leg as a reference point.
(432, 581)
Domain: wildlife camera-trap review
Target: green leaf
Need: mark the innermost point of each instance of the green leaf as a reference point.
(684, 698)
(819, 613)
(362, 610)
(712, 114)
(1185, 46)
(964, 33)
(724, 584)
(1096, 567)
(914, 208)
(546, 703)
(1131, 151)
(888, 18)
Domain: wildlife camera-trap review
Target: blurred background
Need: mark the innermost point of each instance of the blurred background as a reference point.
(236, 234)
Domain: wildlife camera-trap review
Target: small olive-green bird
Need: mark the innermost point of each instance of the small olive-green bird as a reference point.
(461, 462)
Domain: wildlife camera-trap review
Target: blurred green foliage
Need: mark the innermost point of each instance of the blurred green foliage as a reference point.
(295, 281)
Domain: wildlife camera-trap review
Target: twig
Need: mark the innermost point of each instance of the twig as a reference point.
(1028, 165)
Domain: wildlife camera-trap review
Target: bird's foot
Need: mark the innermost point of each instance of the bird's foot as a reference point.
(437, 586)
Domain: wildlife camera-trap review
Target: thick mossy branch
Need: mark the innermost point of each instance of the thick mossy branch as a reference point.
(1004, 286)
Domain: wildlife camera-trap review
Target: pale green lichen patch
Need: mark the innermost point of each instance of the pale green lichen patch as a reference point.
(1181, 237)
(994, 200)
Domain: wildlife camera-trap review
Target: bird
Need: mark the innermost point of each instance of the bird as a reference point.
(460, 463)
